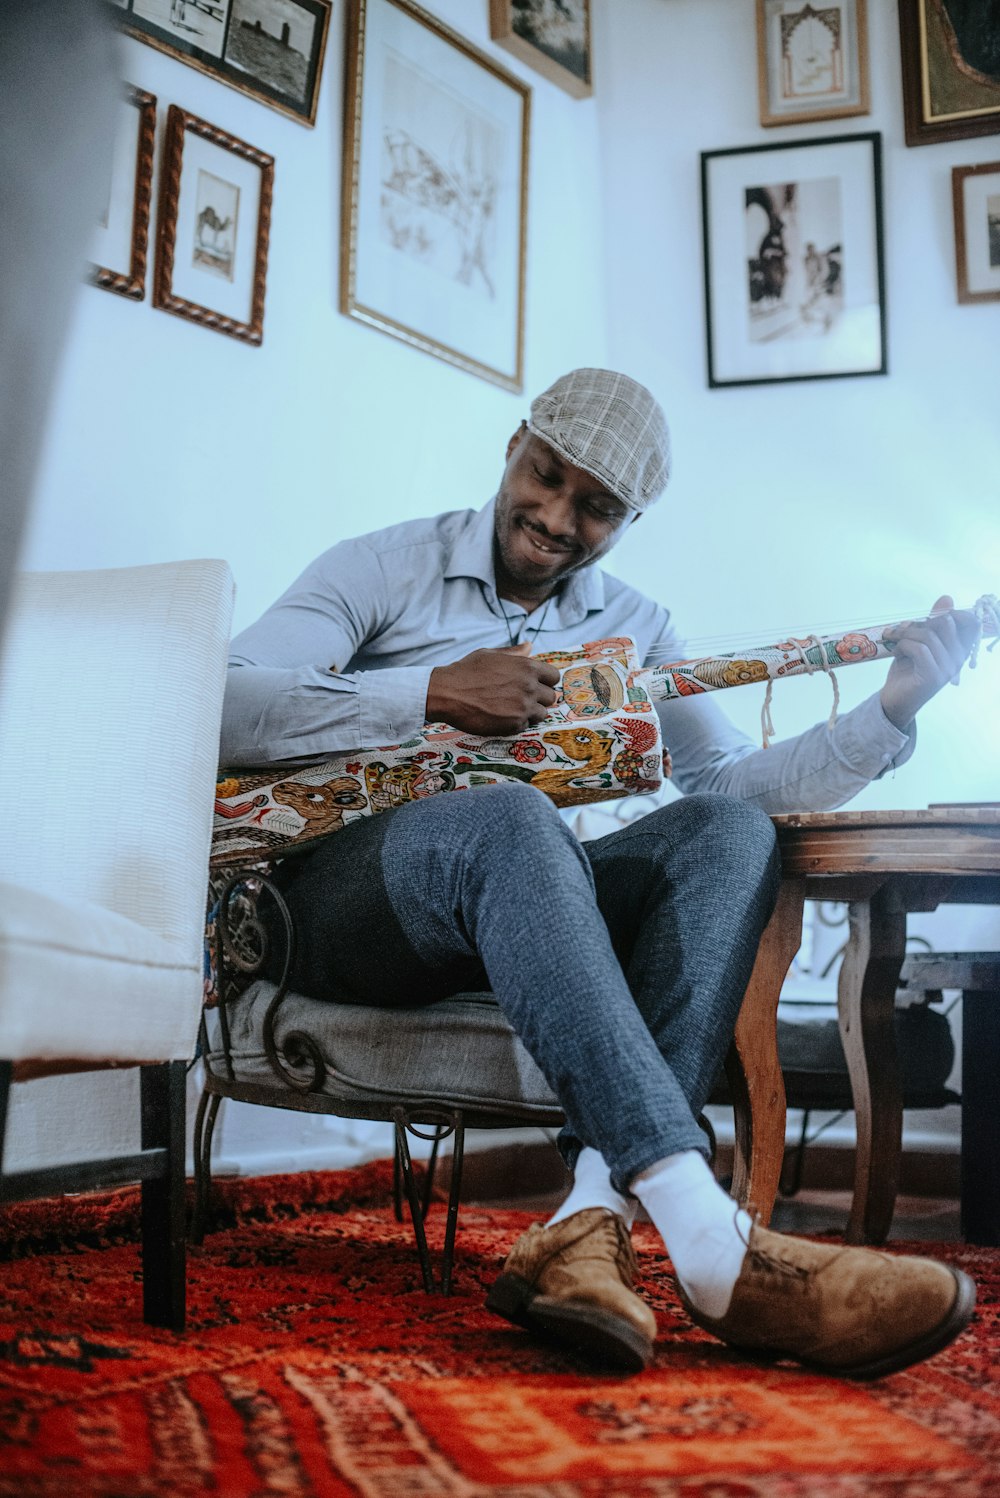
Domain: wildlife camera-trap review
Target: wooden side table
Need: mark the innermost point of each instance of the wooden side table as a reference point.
(883, 865)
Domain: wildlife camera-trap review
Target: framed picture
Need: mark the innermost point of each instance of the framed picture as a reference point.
(950, 51)
(435, 188)
(270, 49)
(812, 60)
(794, 279)
(214, 221)
(551, 36)
(976, 197)
(122, 233)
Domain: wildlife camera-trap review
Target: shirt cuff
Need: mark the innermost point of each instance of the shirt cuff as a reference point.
(393, 704)
(869, 743)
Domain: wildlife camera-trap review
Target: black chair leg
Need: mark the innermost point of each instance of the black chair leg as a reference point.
(162, 1094)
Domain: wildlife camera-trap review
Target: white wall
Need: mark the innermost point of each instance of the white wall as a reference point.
(171, 440)
(792, 505)
(845, 500)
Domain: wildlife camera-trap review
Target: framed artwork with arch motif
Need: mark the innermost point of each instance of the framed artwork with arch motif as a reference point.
(812, 60)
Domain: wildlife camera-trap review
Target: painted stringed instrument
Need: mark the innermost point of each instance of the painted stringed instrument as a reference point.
(600, 741)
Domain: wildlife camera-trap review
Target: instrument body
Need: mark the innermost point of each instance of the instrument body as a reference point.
(600, 741)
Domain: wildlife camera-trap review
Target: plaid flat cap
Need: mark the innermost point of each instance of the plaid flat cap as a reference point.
(610, 426)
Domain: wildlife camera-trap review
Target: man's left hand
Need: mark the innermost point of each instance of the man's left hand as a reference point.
(928, 654)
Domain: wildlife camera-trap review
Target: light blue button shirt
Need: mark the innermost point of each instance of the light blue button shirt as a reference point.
(343, 659)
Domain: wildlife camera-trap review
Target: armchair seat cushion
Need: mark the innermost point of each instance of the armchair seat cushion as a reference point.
(101, 986)
(461, 1051)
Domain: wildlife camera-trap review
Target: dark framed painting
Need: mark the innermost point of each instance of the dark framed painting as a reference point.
(213, 229)
(270, 49)
(793, 257)
(551, 36)
(435, 191)
(119, 248)
(976, 201)
(812, 60)
(950, 54)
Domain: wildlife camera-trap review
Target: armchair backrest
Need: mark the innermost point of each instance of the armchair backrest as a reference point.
(111, 688)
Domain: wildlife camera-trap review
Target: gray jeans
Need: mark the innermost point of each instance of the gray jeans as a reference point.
(621, 963)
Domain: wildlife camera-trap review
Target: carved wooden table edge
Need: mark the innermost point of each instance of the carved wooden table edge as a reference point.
(883, 864)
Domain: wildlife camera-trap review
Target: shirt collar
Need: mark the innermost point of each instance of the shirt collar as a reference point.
(472, 556)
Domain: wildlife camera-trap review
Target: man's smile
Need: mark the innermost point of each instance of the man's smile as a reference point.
(544, 544)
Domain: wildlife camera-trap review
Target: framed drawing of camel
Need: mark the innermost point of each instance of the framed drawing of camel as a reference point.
(434, 191)
(214, 221)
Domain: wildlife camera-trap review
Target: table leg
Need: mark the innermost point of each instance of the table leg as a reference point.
(866, 1000)
(755, 1081)
(980, 1116)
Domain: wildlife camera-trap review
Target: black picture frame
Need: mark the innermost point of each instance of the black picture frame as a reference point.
(793, 253)
(270, 49)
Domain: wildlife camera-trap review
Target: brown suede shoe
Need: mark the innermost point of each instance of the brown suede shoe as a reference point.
(573, 1281)
(852, 1311)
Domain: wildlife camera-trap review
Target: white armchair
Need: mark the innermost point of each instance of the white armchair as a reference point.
(111, 690)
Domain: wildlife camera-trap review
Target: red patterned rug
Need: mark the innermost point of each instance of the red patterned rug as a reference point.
(314, 1366)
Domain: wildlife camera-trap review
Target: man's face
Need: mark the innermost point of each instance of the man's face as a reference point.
(552, 518)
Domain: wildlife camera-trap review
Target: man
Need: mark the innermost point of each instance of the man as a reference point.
(621, 963)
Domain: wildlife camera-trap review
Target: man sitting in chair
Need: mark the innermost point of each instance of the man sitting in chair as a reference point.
(621, 963)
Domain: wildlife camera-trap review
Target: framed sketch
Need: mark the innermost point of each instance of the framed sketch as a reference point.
(270, 49)
(214, 221)
(812, 60)
(435, 187)
(551, 36)
(794, 278)
(976, 197)
(950, 52)
(122, 233)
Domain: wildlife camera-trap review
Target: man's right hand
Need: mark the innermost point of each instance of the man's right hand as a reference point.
(492, 691)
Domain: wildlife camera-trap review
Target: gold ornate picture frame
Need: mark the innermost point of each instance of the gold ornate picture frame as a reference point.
(812, 60)
(121, 238)
(950, 57)
(555, 40)
(214, 225)
(435, 191)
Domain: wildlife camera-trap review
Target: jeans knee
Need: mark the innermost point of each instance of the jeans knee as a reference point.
(513, 815)
(728, 825)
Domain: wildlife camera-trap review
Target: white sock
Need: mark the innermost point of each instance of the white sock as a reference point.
(592, 1188)
(705, 1233)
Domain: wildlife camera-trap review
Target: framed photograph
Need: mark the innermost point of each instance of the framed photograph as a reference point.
(812, 60)
(214, 221)
(976, 197)
(270, 49)
(950, 52)
(794, 278)
(435, 191)
(551, 36)
(122, 234)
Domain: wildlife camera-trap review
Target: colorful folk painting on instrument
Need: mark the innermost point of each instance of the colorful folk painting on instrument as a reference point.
(601, 741)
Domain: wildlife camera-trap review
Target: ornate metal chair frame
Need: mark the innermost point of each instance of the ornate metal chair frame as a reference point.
(241, 947)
